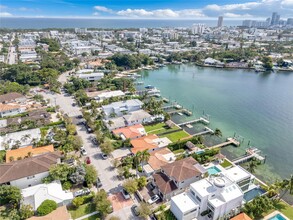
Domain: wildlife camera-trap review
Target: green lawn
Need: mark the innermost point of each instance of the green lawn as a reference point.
(93, 217)
(158, 128)
(176, 136)
(166, 215)
(286, 209)
(82, 210)
(226, 164)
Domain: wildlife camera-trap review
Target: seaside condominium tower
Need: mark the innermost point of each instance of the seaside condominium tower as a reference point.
(220, 21)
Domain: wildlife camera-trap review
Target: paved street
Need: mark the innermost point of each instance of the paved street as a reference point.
(107, 174)
(12, 55)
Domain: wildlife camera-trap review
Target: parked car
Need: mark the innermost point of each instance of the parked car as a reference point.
(125, 194)
(83, 151)
(88, 128)
(153, 199)
(81, 192)
(99, 183)
(88, 160)
(94, 140)
(79, 117)
(135, 210)
(104, 156)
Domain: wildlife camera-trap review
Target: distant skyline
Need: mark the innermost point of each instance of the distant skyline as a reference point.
(152, 9)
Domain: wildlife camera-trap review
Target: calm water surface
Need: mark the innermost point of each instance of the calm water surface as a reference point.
(259, 107)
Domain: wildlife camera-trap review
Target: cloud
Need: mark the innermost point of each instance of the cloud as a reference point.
(287, 3)
(3, 6)
(230, 7)
(233, 15)
(96, 13)
(103, 9)
(5, 14)
(161, 13)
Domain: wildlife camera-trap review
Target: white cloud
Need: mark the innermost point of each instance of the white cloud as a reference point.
(5, 14)
(103, 9)
(233, 15)
(3, 6)
(287, 3)
(96, 13)
(229, 7)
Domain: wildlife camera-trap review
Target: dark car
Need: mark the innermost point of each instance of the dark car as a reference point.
(99, 183)
(88, 128)
(135, 210)
(94, 140)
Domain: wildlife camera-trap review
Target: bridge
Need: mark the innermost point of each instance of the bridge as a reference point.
(201, 119)
(228, 142)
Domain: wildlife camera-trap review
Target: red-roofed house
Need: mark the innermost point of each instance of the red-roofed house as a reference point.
(131, 132)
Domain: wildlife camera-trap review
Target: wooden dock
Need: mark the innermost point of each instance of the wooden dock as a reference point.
(228, 142)
(206, 131)
(201, 119)
(250, 153)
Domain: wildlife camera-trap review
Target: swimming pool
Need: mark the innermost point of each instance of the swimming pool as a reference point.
(213, 170)
(251, 194)
(277, 217)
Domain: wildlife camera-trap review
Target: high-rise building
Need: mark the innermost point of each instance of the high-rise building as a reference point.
(290, 21)
(275, 18)
(198, 28)
(220, 21)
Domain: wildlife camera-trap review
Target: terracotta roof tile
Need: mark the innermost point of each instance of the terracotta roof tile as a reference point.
(130, 131)
(182, 170)
(241, 216)
(144, 143)
(27, 167)
(164, 184)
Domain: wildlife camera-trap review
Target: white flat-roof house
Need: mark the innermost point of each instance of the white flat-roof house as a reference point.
(215, 196)
(35, 195)
(106, 95)
(240, 176)
(118, 109)
(91, 76)
(10, 110)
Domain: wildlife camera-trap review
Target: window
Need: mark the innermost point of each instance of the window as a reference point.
(193, 193)
(198, 199)
(30, 177)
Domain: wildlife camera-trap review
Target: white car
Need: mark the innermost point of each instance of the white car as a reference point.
(125, 194)
(83, 151)
(153, 199)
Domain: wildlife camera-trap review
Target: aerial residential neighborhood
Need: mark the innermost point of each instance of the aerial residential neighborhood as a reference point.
(91, 127)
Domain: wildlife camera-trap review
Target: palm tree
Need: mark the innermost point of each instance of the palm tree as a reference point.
(251, 166)
(273, 189)
(218, 132)
(286, 186)
(145, 156)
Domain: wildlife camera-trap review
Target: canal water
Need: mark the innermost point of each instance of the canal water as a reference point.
(255, 106)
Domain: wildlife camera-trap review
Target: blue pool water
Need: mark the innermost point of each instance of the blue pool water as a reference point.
(249, 195)
(277, 217)
(213, 170)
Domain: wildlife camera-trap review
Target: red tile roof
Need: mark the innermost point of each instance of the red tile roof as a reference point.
(130, 131)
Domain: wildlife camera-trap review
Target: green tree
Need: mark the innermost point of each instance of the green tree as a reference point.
(218, 132)
(10, 195)
(46, 207)
(101, 202)
(267, 63)
(26, 211)
(71, 129)
(141, 182)
(130, 186)
(107, 147)
(144, 210)
(91, 174)
(258, 206)
(60, 171)
(77, 201)
(114, 218)
(251, 166)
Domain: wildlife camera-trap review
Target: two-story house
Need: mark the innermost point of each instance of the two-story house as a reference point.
(28, 172)
(175, 177)
(117, 109)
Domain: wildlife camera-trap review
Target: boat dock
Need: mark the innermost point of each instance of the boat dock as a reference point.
(250, 153)
(206, 131)
(228, 142)
(201, 119)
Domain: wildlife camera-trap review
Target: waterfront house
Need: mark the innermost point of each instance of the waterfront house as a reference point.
(35, 195)
(28, 172)
(91, 76)
(117, 109)
(104, 95)
(215, 197)
(150, 142)
(130, 132)
(175, 177)
(129, 119)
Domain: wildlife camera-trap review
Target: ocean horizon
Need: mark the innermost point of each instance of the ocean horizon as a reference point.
(43, 23)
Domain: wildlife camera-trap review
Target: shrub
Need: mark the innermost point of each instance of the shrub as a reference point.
(66, 185)
(46, 207)
(78, 201)
(26, 211)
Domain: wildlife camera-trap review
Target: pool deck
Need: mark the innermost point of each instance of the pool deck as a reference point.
(274, 214)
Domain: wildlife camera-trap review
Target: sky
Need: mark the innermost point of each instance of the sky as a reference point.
(152, 9)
